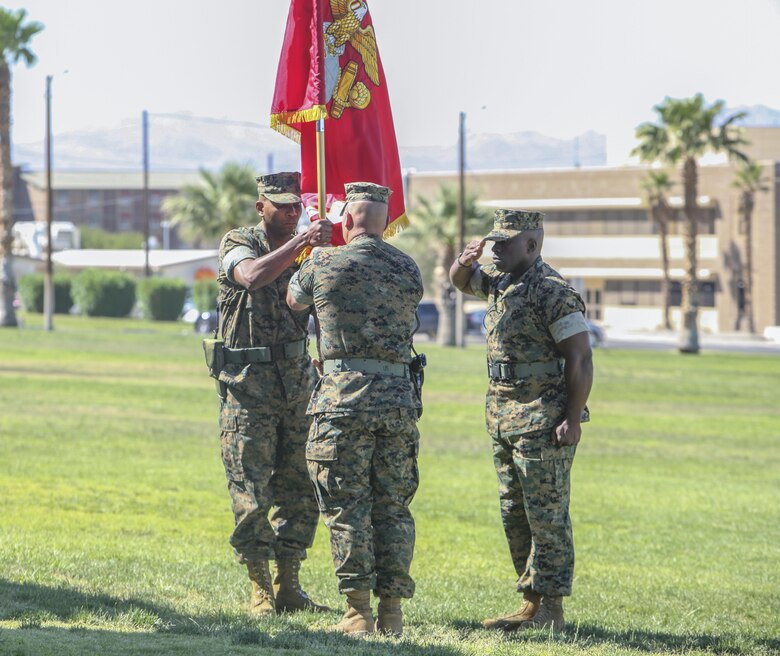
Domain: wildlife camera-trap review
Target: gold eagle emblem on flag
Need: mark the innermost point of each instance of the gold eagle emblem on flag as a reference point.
(346, 28)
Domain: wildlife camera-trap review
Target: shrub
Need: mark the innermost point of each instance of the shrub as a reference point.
(31, 290)
(204, 293)
(162, 298)
(99, 238)
(104, 293)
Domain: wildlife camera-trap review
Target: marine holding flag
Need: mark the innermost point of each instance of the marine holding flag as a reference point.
(363, 442)
(266, 376)
(362, 448)
(330, 71)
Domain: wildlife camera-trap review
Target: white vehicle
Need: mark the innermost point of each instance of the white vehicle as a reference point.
(30, 237)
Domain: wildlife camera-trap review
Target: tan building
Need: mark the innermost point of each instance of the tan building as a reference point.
(110, 200)
(599, 236)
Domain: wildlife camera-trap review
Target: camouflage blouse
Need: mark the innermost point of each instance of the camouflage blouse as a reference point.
(365, 294)
(260, 318)
(525, 319)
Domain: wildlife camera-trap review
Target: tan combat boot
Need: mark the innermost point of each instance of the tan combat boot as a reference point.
(390, 620)
(358, 620)
(262, 602)
(550, 615)
(287, 589)
(513, 621)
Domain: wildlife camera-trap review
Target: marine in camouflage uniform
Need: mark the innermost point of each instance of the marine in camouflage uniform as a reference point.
(362, 448)
(267, 380)
(539, 365)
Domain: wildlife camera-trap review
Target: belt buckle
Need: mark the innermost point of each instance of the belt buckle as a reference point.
(505, 372)
(277, 352)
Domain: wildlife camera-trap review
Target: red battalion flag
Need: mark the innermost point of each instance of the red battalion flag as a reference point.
(330, 69)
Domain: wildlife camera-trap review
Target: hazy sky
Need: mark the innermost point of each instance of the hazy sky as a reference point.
(559, 67)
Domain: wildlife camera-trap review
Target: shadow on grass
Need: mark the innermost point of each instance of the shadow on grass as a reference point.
(586, 635)
(107, 618)
(654, 641)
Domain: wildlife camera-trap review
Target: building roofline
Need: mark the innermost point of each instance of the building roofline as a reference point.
(131, 179)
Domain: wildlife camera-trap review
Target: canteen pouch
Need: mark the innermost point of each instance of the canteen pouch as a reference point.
(215, 360)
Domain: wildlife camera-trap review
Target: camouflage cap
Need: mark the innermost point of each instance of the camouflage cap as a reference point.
(281, 188)
(510, 223)
(366, 191)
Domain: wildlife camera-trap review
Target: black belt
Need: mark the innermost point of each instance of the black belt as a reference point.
(522, 370)
(265, 353)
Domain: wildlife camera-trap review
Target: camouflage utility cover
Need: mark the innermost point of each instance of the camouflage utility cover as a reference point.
(510, 223)
(525, 319)
(280, 188)
(365, 294)
(355, 191)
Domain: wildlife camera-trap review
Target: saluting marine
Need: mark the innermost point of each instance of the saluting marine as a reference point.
(540, 371)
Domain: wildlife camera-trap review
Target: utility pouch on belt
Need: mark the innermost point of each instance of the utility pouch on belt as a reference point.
(215, 361)
(416, 370)
(215, 358)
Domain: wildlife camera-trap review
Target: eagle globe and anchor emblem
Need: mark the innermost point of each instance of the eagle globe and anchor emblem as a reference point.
(341, 85)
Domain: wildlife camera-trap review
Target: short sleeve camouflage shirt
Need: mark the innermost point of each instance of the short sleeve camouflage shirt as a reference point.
(365, 294)
(260, 317)
(525, 319)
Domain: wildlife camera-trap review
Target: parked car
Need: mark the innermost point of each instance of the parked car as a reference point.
(475, 322)
(206, 322)
(595, 334)
(428, 314)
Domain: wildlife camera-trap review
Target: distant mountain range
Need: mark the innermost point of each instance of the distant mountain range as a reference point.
(758, 116)
(181, 142)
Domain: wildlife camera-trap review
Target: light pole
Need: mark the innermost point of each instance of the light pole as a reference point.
(460, 327)
(145, 126)
(48, 280)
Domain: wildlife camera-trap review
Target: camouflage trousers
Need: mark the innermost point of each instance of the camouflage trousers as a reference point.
(364, 469)
(263, 445)
(534, 489)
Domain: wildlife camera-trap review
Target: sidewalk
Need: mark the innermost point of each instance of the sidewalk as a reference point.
(659, 339)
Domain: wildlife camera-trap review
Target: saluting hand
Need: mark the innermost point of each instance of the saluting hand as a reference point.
(319, 233)
(471, 253)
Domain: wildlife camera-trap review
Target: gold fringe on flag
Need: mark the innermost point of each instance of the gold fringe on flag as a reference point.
(281, 121)
(396, 226)
(303, 255)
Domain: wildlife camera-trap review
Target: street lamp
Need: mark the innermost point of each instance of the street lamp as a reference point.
(48, 279)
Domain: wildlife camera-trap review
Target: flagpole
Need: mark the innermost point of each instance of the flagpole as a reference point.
(321, 203)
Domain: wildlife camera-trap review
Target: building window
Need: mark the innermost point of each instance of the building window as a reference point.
(598, 222)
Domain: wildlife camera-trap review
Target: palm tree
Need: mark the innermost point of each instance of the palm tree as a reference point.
(687, 130)
(657, 185)
(223, 201)
(436, 223)
(749, 180)
(14, 45)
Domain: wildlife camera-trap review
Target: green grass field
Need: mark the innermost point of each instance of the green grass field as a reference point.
(115, 513)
